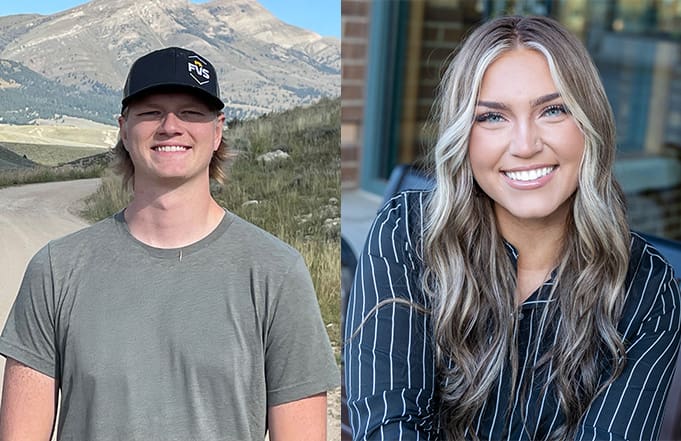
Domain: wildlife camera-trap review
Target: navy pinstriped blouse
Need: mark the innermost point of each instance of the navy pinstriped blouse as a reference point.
(389, 365)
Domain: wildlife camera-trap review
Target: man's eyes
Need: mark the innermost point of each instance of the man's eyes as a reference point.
(189, 115)
(149, 113)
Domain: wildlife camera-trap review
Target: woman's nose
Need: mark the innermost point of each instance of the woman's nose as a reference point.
(525, 141)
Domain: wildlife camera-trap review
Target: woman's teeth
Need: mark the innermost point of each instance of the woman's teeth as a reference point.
(529, 175)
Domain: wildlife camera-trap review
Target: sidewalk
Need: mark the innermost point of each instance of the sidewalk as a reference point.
(358, 210)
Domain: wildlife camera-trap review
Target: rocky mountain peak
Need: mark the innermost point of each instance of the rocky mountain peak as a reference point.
(264, 64)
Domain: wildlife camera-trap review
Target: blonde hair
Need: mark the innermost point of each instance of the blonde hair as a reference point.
(468, 275)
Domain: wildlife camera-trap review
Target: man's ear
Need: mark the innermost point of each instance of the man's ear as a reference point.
(122, 134)
(219, 130)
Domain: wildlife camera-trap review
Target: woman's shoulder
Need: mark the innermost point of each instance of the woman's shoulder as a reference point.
(645, 259)
(651, 286)
(408, 206)
(402, 219)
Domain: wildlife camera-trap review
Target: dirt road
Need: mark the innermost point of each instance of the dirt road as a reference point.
(32, 215)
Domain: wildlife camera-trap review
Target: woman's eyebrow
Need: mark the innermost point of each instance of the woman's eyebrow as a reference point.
(534, 103)
(493, 105)
(545, 99)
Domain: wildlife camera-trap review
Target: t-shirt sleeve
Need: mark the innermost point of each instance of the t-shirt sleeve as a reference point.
(389, 365)
(29, 333)
(631, 408)
(299, 361)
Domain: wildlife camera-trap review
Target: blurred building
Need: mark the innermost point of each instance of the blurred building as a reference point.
(395, 51)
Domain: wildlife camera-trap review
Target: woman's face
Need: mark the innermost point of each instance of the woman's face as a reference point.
(525, 147)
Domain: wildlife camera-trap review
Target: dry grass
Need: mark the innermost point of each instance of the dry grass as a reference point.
(47, 174)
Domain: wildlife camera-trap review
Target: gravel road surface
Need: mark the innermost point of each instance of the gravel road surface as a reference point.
(30, 216)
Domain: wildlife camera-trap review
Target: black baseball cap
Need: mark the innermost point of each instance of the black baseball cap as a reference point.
(171, 69)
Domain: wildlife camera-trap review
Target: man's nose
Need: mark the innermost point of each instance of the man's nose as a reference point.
(171, 123)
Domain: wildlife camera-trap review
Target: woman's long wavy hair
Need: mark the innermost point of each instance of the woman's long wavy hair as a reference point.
(468, 274)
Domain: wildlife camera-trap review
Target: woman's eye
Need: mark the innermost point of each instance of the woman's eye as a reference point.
(491, 117)
(555, 110)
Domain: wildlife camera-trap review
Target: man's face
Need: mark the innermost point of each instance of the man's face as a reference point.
(171, 138)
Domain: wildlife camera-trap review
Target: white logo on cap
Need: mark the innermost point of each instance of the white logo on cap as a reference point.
(196, 69)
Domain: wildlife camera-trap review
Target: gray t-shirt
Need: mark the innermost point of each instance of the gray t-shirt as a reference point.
(173, 344)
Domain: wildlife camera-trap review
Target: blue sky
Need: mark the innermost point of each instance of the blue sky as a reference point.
(320, 16)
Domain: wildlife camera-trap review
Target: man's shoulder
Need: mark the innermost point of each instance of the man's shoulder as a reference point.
(93, 236)
(253, 240)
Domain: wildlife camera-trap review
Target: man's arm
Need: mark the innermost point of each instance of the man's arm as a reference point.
(28, 404)
(303, 420)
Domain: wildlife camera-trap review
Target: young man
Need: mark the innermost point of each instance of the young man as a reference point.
(174, 319)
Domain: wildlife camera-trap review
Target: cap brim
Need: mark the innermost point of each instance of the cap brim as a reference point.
(212, 102)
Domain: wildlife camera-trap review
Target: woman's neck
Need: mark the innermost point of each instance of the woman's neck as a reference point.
(538, 243)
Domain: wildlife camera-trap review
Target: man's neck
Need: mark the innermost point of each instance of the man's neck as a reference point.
(172, 218)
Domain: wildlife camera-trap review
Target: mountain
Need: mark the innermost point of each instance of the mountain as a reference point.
(26, 96)
(263, 63)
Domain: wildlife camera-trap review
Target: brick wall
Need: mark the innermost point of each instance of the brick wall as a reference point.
(440, 25)
(355, 31)
(444, 25)
(656, 212)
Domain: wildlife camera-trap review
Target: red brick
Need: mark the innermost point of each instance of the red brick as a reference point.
(354, 7)
(352, 113)
(427, 91)
(355, 29)
(353, 50)
(431, 33)
(452, 35)
(436, 56)
(445, 14)
(352, 92)
(349, 153)
(429, 74)
(423, 111)
(352, 72)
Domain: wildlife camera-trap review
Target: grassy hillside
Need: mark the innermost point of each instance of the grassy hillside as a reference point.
(12, 172)
(296, 199)
(64, 131)
(10, 160)
(51, 155)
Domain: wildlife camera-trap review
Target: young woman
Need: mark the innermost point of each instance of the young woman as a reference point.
(512, 301)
